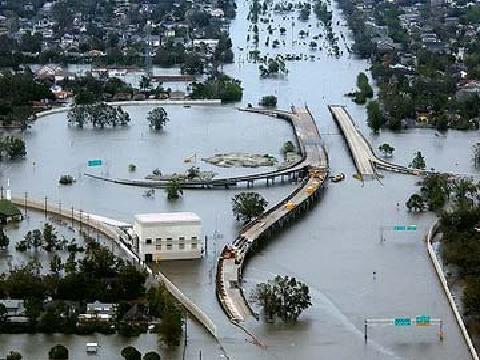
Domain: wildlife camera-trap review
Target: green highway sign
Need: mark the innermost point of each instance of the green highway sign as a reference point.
(96, 162)
(404, 227)
(402, 321)
(422, 320)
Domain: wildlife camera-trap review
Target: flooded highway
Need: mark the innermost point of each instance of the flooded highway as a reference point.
(334, 249)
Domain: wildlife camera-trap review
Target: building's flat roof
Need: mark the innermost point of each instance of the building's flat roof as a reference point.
(168, 218)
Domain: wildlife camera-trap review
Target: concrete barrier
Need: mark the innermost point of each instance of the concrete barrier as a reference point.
(444, 283)
(194, 102)
(110, 232)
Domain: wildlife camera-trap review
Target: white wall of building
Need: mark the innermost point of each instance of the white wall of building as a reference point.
(168, 236)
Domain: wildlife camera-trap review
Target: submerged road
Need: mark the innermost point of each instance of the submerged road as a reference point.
(232, 260)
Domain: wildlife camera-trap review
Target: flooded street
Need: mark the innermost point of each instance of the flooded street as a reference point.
(334, 249)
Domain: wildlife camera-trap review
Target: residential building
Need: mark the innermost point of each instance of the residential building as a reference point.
(98, 311)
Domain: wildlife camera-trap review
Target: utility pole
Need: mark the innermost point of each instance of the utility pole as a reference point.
(25, 202)
(45, 206)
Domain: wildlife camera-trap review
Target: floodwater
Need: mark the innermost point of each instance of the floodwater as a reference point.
(335, 248)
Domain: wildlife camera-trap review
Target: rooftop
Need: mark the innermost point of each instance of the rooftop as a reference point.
(167, 218)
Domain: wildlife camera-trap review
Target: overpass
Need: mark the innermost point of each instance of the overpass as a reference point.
(362, 153)
(304, 130)
(257, 232)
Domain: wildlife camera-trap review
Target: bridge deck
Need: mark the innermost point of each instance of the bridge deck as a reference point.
(361, 152)
(232, 261)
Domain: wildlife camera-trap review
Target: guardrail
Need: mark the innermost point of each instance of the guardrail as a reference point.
(443, 281)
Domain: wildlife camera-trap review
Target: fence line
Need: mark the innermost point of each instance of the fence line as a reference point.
(443, 281)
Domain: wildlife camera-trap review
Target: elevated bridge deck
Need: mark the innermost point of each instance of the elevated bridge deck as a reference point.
(304, 130)
(360, 149)
(362, 153)
(232, 260)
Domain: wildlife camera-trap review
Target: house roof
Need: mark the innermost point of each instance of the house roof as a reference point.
(7, 208)
(167, 218)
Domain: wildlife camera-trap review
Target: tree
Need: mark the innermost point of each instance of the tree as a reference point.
(418, 161)
(14, 355)
(12, 148)
(36, 238)
(288, 147)
(4, 240)
(283, 297)
(157, 118)
(131, 353)
(471, 296)
(56, 264)
(268, 101)
(71, 264)
(145, 83)
(58, 352)
(416, 202)
(151, 355)
(247, 205)
(98, 114)
(223, 87)
(170, 328)
(49, 237)
(476, 154)
(386, 149)
(304, 13)
(375, 117)
(3, 312)
(173, 189)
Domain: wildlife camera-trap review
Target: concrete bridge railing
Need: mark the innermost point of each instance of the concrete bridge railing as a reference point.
(112, 234)
(443, 281)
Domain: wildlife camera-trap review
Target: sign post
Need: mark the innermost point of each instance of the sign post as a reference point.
(95, 162)
(418, 321)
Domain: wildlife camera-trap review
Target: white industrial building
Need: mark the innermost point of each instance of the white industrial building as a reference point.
(168, 236)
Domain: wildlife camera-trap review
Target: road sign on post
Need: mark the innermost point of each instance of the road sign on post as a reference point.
(403, 322)
(422, 320)
(96, 162)
(404, 227)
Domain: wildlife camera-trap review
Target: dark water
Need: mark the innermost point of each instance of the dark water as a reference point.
(334, 249)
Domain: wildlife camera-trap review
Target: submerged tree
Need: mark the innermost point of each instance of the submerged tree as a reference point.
(131, 353)
(418, 161)
(99, 115)
(248, 205)
(416, 202)
(476, 154)
(375, 117)
(12, 148)
(170, 327)
(4, 240)
(14, 355)
(58, 352)
(157, 118)
(283, 297)
(386, 149)
(173, 189)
